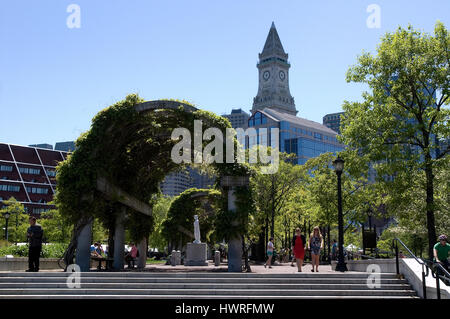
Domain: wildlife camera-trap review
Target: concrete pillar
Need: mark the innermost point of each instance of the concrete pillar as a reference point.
(217, 258)
(119, 240)
(83, 254)
(178, 259)
(235, 244)
(173, 258)
(142, 259)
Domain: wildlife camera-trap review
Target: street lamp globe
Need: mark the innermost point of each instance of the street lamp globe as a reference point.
(6, 215)
(338, 164)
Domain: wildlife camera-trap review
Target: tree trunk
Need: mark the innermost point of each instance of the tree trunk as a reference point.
(267, 232)
(272, 231)
(329, 243)
(245, 253)
(430, 206)
(309, 228)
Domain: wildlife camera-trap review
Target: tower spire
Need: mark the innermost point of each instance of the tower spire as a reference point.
(273, 44)
(273, 67)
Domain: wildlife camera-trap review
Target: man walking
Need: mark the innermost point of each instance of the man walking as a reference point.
(34, 234)
(441, 251)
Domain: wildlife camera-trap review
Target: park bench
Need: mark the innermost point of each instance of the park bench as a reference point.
(108, 262)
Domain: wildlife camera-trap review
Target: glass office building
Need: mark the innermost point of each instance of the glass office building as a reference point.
(304, 138)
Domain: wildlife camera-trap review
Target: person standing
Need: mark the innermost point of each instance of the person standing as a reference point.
(298, 247)
(269, 253)
(34, 235)
(131, 256)
(315, 244)
(334, 250)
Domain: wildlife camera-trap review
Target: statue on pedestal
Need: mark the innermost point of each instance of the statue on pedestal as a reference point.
(196, 251)
(196, 230)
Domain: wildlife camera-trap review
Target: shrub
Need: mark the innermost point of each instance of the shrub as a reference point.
(55, 250)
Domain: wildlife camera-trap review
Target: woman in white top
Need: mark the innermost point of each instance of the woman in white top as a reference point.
(269, 253)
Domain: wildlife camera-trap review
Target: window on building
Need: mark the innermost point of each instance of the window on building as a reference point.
(51, 173)
(9, 188)
(27, 170)
(39, 211)
(5, 168)
(37, 190)
(263, 119)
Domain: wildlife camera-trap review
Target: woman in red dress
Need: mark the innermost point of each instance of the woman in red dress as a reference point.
(298, 246)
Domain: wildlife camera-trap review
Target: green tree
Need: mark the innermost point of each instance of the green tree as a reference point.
(178, 227)
(18, 220)
(398, 124)
(358, 196)
(273, 191)
(160, 210)
(56, 228)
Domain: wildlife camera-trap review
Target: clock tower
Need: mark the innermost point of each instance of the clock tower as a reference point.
(273, 67)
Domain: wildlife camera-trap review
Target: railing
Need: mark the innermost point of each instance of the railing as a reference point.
(436, 270)
(434, 267)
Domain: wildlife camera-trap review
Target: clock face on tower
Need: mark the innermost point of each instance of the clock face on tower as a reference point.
(282, 75)
(266, 75)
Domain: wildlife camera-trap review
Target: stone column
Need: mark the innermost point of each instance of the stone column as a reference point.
(83, 254)
(234, 244)
(217, 258)
(119, 240)
(142, 247)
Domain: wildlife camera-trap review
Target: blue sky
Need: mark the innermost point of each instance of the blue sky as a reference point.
(54, 79)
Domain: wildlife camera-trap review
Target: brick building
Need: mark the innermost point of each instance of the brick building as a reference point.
(28, 174)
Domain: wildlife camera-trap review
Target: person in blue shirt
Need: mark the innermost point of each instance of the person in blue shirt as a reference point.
(334, 249)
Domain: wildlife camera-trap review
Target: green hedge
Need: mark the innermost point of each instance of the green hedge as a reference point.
(48, 251)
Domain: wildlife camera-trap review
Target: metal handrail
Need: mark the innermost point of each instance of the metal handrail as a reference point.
(445, 277)
(419, 260)
(425, 266)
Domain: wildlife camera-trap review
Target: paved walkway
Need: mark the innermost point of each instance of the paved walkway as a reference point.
(259, 269)
(284, 268)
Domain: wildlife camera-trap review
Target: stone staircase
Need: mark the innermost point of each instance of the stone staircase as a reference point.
(206, 285)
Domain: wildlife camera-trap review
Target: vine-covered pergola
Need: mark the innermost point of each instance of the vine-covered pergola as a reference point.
(117, 167)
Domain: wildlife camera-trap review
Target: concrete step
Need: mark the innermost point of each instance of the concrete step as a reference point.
(211, 292)
(167, 279)
(208, 297)
(208, 286)
(201, 285)
(225, 275)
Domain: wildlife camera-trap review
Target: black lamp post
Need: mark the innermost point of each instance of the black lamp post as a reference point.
(339, 167)
(6, 215)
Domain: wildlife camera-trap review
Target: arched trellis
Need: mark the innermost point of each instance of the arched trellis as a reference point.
(180, 217)
(119, 164)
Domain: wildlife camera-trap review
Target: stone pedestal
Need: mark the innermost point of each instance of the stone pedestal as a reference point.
(175, 258)
(196, 255)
